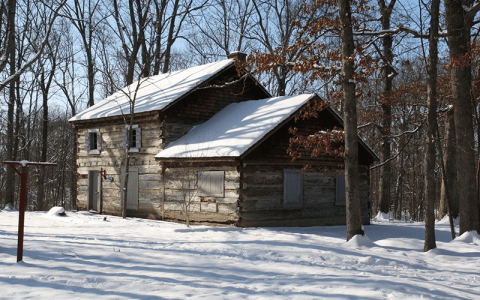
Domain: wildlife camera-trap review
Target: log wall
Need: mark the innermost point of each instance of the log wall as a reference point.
(111, 158)
(261, 198)
(181, 190)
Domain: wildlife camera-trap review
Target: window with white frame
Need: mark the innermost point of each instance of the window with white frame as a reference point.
(135, 138)
(211, 184)
(93, 141)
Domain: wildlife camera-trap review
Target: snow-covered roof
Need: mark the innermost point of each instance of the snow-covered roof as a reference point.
(154, 93)
(234, 129)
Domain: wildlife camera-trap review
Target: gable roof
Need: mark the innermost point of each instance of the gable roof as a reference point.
(154, 93)
(238, 128)
(235, 129)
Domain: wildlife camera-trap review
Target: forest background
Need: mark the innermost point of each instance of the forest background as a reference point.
(59, 57)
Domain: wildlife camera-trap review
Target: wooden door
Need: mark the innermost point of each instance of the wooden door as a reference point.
(94, 191)
(132, 190)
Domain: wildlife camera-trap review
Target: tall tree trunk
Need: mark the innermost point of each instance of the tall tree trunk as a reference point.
(91, 79)
(354, 216)
(43, 156)
(385, 153)
(450, 170)
(160, 6)
(170, 39)
(458, 32)
(10, 180)
(430, 191)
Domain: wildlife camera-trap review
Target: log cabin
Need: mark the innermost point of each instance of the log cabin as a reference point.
(210, 146)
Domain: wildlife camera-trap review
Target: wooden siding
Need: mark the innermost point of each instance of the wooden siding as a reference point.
(262, 198)
(274, 148)
(110, 160)
(181, 189)
(203, 103)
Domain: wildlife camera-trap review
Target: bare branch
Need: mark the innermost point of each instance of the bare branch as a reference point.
(20, 71)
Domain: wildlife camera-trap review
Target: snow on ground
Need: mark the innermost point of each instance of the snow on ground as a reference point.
(83, 255)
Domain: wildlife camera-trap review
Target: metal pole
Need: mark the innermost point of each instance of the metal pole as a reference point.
(21, 217)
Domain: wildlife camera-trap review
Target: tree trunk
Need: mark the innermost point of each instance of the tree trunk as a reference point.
(91, 79)
(430, 191)
(43, 156)
(450, 170)
(385, 153)
(354, 217)
(170, 39)
(10, 180)
(458, 32)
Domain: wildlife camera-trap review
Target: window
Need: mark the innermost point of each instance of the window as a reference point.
(292, 188)
(340, 197)
(135, 138)
(93, 141)
(211, 183)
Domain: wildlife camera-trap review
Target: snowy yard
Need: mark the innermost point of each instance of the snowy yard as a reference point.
(83, 256)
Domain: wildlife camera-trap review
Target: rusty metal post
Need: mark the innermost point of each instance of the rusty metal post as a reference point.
(23, 165)
(21, 216)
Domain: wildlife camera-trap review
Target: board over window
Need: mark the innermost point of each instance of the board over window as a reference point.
(93, 141)
(135, 138)
(211, 184)
(292, 188)
(340, 197)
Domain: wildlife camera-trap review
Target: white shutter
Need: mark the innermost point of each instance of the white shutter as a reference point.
(99, 140)
(87, 141)
(139, 137)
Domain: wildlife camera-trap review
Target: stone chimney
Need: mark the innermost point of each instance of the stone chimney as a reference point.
(237, 55)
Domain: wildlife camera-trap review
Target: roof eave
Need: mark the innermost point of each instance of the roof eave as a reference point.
(198, 159)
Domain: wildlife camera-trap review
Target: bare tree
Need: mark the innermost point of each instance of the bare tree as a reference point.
(278, 32)
(354, 217)
(223, 27)
(431, 128)
(14, 73)
(387, 79)
(459, 24)
(87, 20)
